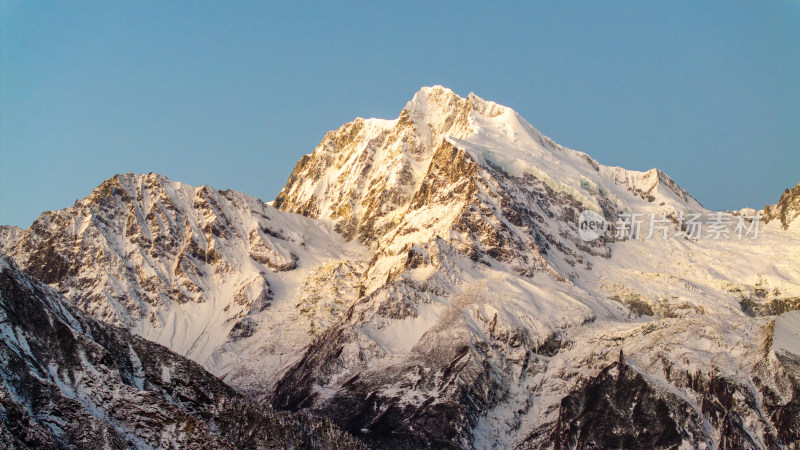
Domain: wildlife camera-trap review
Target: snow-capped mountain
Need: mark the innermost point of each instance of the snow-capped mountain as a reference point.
(69, 381)
(439, 291)
(191, 268)
(482, 303)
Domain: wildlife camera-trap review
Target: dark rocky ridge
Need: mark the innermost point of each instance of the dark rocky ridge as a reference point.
(72, 382)
(621, 408)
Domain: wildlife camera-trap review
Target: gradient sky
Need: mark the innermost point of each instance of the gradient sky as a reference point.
(231, 94)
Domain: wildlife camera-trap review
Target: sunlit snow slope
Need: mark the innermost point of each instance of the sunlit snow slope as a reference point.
(191, 268)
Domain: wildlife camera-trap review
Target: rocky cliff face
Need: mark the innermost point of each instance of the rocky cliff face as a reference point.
(71, 382)
(364, 175)
(9, 236)
(651, 397)
(439, 293)
(786, 210)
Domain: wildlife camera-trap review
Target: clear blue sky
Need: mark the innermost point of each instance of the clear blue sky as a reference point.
(231, 94)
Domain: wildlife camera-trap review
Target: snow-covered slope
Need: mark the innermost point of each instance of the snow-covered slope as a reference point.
(191, 268)
(438, 291)
(71, 382)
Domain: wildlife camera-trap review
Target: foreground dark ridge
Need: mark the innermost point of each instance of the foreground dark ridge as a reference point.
(71, 382)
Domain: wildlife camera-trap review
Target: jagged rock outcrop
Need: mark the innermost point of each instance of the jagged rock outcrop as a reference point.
(9, 236)
(646, 184)
(786, 210)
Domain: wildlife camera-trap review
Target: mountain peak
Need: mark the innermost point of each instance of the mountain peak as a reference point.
(124, 184)
(436, 88)
(153, 247)
(437, 101)
(364, 175)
